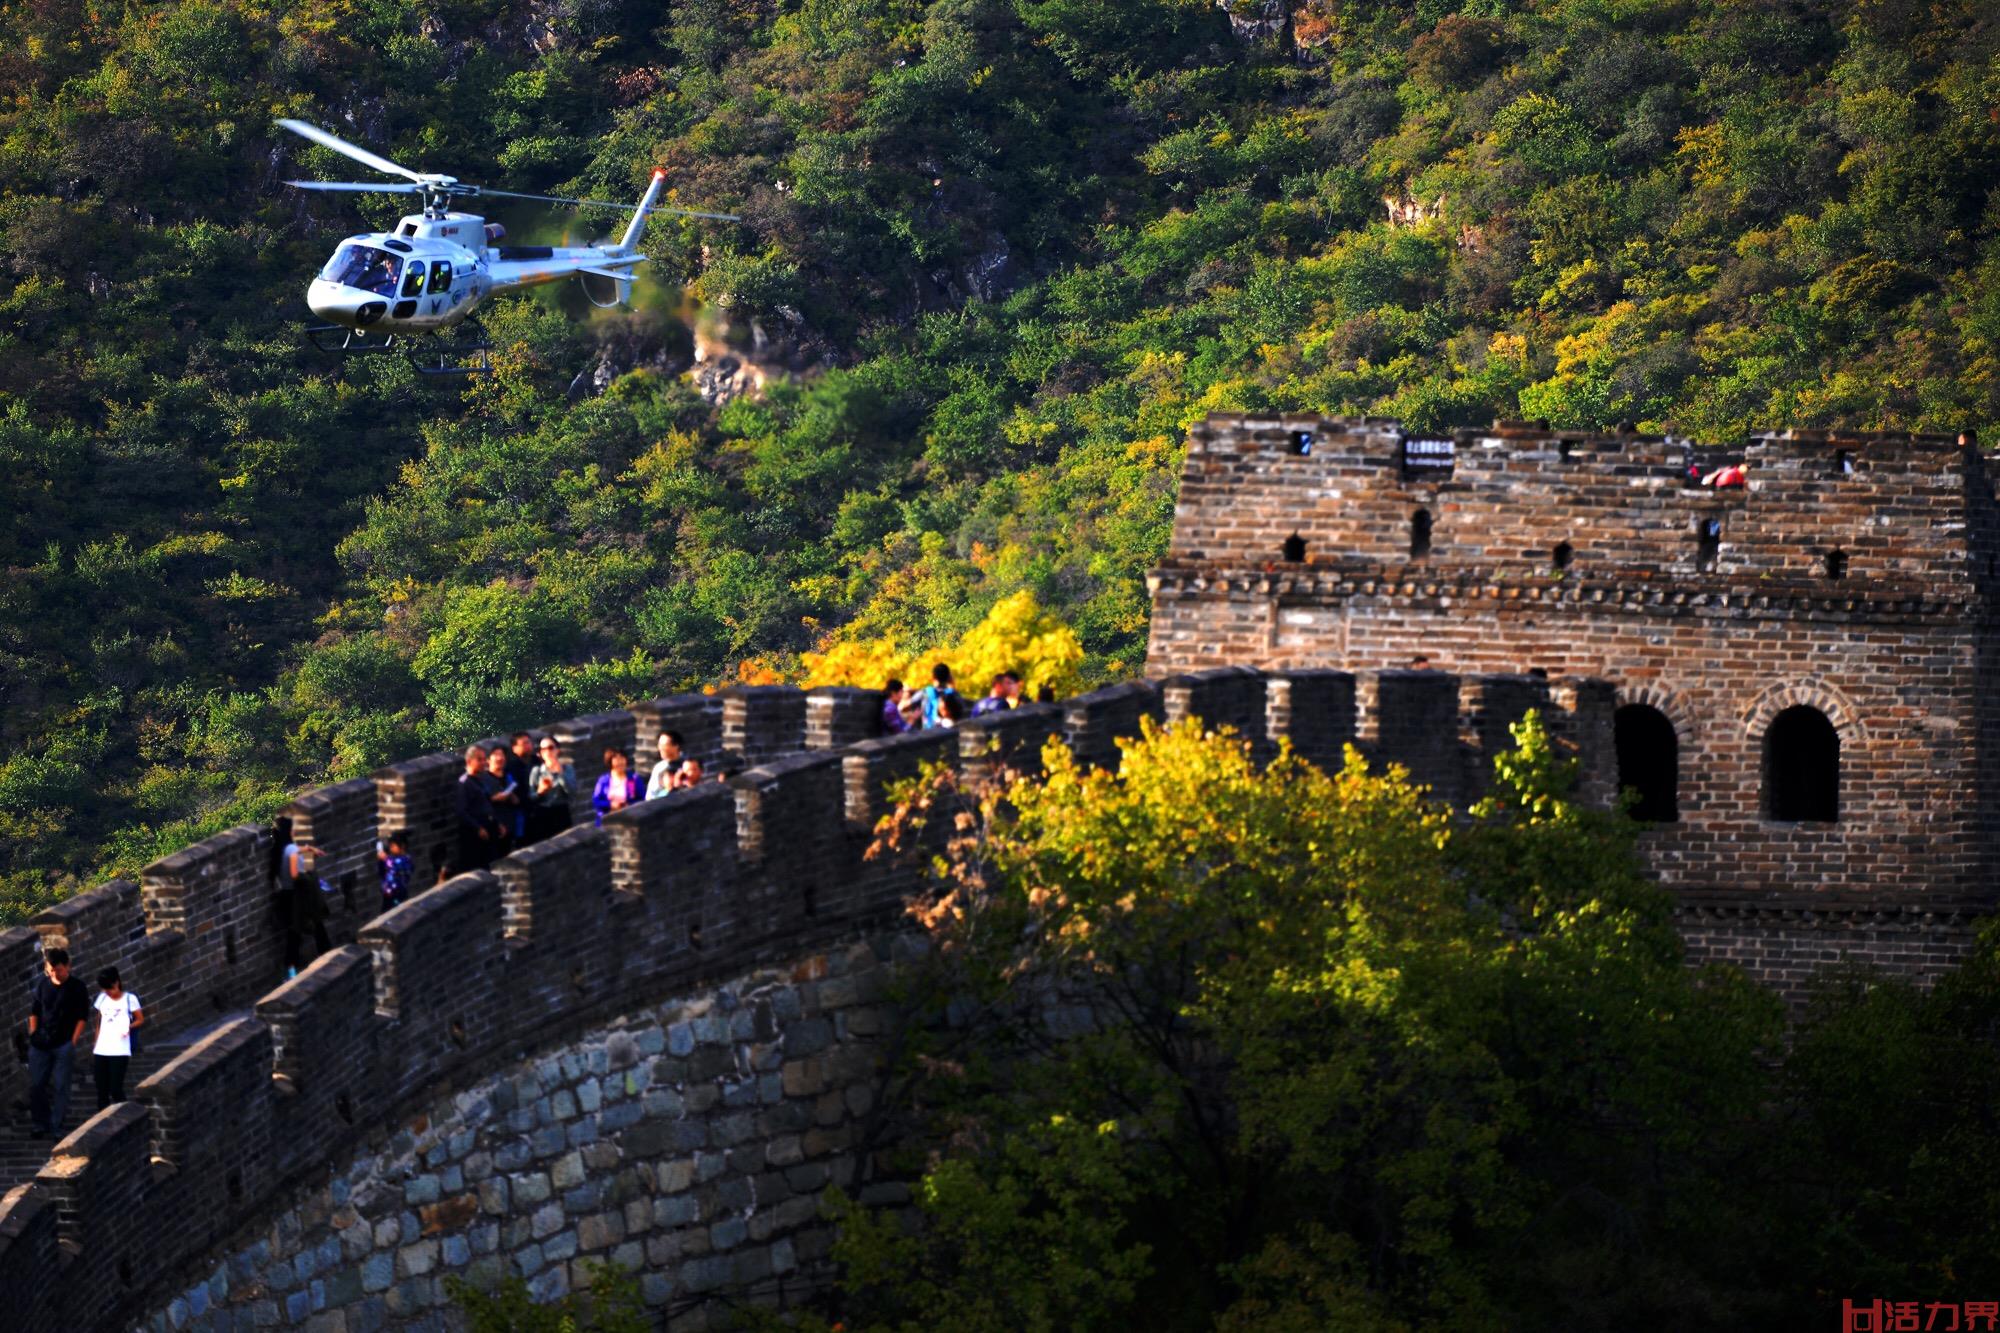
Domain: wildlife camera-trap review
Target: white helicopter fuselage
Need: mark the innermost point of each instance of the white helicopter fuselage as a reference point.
(437, 267)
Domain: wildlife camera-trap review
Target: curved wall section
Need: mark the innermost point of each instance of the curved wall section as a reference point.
(667, 898)
(689, 1141)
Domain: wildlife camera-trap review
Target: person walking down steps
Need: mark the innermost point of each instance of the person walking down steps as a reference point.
(55, 1025)
(118, 1016)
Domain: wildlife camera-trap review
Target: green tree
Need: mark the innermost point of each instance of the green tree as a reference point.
(610, 1303)
(475, 666)
(1350, 1050)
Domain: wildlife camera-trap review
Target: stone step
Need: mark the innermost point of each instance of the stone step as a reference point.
(22, 1153)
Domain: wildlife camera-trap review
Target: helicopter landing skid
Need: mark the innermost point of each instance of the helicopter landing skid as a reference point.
(338, 338)
(467, 357)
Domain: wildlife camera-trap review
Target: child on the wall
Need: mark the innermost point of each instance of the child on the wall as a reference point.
(394, 863)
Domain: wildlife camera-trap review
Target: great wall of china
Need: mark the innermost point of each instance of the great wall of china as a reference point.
(679, 899)
(654, 1042)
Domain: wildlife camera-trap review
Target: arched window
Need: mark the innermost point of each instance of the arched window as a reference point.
(1801, 766)
(1562, 555)
(1649, 761)
(1836, 564)
(1295, 549)
(1420, 534)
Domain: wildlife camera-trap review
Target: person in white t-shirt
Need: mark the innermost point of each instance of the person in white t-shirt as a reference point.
(667, 772)
(118, 1013)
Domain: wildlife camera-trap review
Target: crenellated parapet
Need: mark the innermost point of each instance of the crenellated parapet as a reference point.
(667, 895)
(1891, 524)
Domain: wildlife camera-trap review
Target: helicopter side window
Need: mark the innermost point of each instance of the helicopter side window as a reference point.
(440, 275)
(413, 281)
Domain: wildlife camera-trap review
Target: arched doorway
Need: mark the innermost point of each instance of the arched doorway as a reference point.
(1649, 762)
(1801, 766)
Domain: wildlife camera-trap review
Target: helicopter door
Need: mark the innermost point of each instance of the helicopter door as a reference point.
(440, 285)
(413, 287)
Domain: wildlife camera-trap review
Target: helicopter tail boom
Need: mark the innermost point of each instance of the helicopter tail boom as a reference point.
(638, 222)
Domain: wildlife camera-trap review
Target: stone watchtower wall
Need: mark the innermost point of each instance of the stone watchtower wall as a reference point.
(1854, 576)
(698, 889)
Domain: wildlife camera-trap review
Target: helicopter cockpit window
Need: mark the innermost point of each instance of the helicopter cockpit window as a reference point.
(413, 281)
(364, 267)
(440, 274)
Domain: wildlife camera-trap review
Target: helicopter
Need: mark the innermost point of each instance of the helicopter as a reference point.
(437, 267)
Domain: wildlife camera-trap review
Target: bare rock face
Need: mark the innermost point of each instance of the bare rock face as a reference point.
(735, 357)
(727, 377)
(635, 342)
(986, 276)
(1255, 20)
(552, 24)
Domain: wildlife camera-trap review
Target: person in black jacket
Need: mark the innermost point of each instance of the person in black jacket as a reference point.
(300, 901)
(62, 1006)
(478, 828)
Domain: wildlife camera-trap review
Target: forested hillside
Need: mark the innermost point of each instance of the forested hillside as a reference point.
(995, 256)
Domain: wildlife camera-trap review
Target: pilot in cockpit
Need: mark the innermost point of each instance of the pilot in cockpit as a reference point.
(380, 277)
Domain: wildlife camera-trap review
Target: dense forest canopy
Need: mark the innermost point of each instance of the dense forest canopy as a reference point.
(995, 256)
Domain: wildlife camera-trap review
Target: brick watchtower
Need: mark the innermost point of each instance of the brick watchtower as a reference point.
(1805, 665)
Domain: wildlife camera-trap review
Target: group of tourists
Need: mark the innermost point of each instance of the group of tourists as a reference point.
(939, 704)
(62, 1008)
(509, 797)
(677, 770)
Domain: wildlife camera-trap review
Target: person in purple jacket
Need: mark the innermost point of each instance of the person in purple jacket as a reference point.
(893, 721)
(617, 788)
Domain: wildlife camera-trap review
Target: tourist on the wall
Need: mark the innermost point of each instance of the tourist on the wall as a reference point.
(301, 904)
(617, 788)
(664, 772)
(478, 831)
(1005, 691)
(893, 721)
(935, 694)
(506, 797)
(689, 774)
(393, 862)
(308, 918)
(55, 1024)
(118, 1016)
(952, 710)
(520, 764)
(550, 785)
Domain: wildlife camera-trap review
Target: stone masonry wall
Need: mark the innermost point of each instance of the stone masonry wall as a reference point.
(715, 895)
(689, 1142)
(1580, 557)
(668, 897)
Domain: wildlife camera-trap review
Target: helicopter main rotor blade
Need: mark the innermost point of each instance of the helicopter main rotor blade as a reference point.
(340, 145)
(606, 203)
(359, 187)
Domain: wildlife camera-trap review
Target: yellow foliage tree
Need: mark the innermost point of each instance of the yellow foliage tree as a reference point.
(1017, 635)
